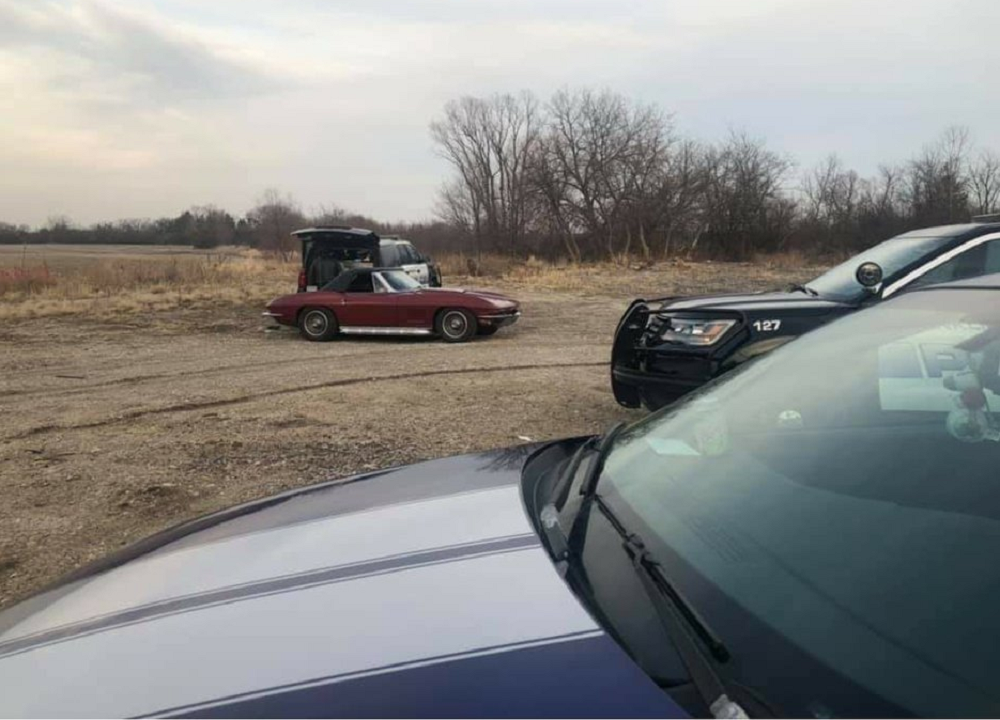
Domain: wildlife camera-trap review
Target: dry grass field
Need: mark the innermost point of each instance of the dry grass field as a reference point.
(138, 387)
(107, 282)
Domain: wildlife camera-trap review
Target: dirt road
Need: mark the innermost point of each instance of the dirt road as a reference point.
(109, 432)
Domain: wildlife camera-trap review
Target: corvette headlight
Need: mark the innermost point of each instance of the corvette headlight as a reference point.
(698, 332)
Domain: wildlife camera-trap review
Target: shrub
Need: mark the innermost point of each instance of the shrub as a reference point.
(25, 281)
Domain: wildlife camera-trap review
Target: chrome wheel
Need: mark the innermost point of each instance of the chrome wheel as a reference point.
(318, 324)
(315, 323)
(455, 324)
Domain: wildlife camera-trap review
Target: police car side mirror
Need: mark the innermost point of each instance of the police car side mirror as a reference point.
(869, 276)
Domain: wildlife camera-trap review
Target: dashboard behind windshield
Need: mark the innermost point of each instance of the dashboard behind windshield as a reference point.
(839, 499)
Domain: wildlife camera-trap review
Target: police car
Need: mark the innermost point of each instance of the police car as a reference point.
(667, 347)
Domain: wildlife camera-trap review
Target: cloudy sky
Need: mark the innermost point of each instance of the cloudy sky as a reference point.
(143, 108)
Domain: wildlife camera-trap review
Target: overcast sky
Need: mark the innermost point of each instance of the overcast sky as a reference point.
(143, 108)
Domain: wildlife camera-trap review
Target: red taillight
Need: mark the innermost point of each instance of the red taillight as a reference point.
(302, 280)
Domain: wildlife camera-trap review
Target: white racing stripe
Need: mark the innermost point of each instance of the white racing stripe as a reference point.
(388, 670)
(340, 540)
(288, 638)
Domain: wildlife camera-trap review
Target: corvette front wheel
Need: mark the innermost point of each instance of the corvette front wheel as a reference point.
(455, 325)
(317, 324)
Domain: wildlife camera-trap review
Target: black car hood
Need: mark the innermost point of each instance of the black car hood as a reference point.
(747, 302)
(416, 592)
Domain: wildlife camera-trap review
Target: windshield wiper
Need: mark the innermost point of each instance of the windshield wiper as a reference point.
(589, 485)
(682, 623)
(562, 485)
(548, 516)
(795, 287)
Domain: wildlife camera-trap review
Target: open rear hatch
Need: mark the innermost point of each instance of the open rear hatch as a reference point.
(327, 252)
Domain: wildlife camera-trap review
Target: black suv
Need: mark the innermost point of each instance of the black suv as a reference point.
(667, 347)
(328, 251)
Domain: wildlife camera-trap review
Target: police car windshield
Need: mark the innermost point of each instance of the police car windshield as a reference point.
(893, 255)
(833, 510)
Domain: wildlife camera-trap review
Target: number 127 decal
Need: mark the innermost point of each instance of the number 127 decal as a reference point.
(766, 325)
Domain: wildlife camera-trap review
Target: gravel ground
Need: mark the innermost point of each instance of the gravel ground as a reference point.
(109, 432)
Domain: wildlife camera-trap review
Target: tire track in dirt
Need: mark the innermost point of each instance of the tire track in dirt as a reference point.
(210, 404)
(78, 389)
(222, 370)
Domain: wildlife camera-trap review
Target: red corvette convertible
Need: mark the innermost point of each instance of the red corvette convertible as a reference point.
(387, 301)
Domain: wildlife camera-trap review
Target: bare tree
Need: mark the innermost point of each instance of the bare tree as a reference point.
(207, 226)
(456, 205)
(831, 192)
(556, 214)
(273, 219)
(936, 182)
(332, 214)
(881, 211)
(984, 182)
(489, 142)
(681, 193)
(882, 193)
(514, 132)
(642, 174)
(575, 139)
(608, 154)
(459, 138)
(832, 201)
(743, 197)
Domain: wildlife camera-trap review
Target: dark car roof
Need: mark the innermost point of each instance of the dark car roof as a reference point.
(369, 270)
(333, 230)
(342, 281)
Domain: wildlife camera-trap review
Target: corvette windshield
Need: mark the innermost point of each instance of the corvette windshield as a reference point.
(893, 255)
(833, 510)
(399, 281)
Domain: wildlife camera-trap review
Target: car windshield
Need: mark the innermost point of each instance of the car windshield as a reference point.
(399, 281)
(893, 255)
(833, 510)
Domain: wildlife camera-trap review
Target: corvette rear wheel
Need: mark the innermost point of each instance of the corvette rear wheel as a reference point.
(317, 324)
(455, 326)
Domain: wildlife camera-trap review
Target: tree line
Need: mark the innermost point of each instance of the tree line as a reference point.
(594, 174)
(267, 226)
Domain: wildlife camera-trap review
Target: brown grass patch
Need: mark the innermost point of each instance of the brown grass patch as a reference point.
(113, 284)
(25, 281)
(109, 286)
(631, 278)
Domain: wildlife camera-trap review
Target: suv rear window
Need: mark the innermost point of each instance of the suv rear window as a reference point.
(390, 255)
(409, 255)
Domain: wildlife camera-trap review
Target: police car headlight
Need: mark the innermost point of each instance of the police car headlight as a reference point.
(697, 332)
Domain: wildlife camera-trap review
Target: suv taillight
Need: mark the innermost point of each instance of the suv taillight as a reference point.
(302, 280)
